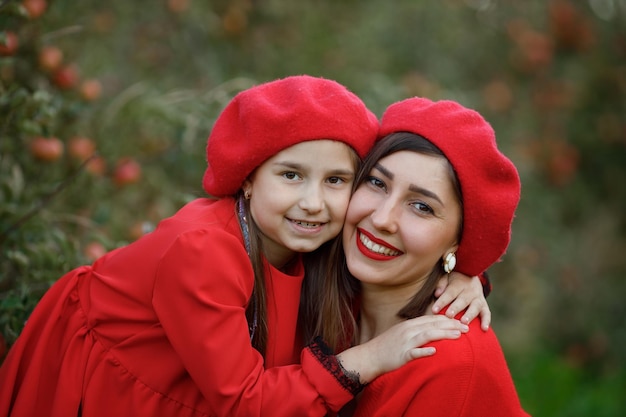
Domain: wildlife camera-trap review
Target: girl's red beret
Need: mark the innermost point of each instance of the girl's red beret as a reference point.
(265, 119)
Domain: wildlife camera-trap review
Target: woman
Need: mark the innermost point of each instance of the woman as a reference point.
(433, 195)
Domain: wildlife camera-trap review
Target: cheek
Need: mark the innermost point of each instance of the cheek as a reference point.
(428, 242)
(338, 204)
(359, 206)
(263, 207)
(352, 216)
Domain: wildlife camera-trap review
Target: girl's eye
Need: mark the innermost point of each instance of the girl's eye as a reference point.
(336, 180)
(290, 175)
(423, 207)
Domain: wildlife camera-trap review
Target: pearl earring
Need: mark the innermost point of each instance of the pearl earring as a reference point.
(449, 262)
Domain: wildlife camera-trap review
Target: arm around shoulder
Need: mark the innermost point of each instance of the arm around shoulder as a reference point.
(467, 377)
(470, 378)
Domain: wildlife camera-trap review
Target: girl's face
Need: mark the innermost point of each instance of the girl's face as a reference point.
(299, 197)
(401, 221)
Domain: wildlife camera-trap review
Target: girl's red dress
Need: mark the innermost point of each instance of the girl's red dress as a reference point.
(158, 328)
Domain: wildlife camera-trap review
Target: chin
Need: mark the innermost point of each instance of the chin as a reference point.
(305, 248)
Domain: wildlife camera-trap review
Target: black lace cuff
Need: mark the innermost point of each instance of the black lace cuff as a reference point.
(348, 379)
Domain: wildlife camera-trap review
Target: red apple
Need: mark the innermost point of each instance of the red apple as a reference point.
(127, 171)
(570, 27)
(35, 8)
(537, 50)
(50, 58)
(66, 77)
(10, 44)
(90, 90)
(81, 148)
(96, 166)
(46, 149)
(94, 250)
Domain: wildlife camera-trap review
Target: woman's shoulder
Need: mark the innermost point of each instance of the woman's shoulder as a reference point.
(475, 348)
(473, 353)
(473, 364)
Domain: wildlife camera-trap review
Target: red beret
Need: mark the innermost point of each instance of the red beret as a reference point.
(265, 119)
(489, 181)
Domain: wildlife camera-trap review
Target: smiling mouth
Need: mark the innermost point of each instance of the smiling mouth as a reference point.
(376, 248)
(308, 225)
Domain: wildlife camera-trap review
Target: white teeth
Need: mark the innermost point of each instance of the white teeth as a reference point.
(375, 247)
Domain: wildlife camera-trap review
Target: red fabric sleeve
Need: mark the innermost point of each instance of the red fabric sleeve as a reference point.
(203, 284)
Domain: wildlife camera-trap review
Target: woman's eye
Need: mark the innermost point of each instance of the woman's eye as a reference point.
(376, 182)
(423, 207)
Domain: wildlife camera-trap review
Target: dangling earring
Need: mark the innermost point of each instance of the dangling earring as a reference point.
(449, 262)
(246, 194)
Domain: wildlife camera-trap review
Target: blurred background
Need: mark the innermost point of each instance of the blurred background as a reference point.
(105, 108)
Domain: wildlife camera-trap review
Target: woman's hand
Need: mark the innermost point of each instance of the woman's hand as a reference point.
(460, 292)
(398, 345)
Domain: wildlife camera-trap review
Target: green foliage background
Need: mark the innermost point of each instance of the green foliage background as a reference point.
(549, 75)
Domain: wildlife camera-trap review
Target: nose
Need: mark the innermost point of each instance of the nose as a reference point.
(385, 216)
(312, 199)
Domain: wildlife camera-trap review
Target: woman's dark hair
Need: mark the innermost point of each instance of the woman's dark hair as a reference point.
(335, 301)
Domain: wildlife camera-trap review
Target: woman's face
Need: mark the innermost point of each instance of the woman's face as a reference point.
(401, 221)
(299, 197)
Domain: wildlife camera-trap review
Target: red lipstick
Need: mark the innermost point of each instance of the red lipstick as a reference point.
(374, 255)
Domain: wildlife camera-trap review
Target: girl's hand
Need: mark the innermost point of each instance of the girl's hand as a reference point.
(461, 292)
(399, 345)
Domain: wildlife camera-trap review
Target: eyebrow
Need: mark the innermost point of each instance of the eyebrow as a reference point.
(300, 167)
(384, 171)
(414, 188)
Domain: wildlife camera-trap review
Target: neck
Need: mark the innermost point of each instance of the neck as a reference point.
(374, 321)
(379, 308)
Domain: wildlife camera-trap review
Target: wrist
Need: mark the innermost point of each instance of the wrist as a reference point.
(343, 370)
(358, 363)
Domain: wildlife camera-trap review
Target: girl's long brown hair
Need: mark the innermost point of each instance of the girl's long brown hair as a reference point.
(256, 312)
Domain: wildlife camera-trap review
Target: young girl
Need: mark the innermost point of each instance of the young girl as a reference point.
(200, 317)
(434, 194)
